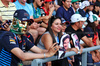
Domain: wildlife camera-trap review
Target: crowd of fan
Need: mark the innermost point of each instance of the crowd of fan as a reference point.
(50, 19)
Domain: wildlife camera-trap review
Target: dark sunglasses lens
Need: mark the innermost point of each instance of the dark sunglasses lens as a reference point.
(50, 2)
(77, 3)
(39, 22)
(41, 0)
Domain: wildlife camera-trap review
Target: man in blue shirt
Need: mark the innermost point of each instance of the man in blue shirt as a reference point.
(21, 4)
(13, 43)
(65, 11)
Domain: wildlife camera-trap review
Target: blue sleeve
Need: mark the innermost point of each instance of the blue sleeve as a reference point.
(9, 42)
(68, 58)
(89, 32)
(59, 12)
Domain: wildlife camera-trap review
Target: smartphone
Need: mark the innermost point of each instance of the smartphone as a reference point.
(8, 21)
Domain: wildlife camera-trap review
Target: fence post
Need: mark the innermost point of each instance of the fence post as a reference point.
(41, 64)
(84, 59)
(36, 62)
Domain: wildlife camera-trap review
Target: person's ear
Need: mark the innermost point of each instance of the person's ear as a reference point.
(63, 2)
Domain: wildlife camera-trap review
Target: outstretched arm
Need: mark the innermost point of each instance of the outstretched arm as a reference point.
(29, 56)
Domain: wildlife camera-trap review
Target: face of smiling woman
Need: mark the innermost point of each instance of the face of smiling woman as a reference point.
(56, 26)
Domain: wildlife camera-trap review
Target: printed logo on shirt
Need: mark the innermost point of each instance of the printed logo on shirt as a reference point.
(29, 40)
(12, 40)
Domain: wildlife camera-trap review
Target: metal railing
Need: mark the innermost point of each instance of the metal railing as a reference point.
(38, 62)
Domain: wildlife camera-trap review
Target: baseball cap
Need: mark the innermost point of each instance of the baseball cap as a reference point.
(91, 3)
(21, 14)
(93, 18)
(64, 21)
(97, 4)
(47, 1)
(77, 17)
(84, 4)
(75, 1)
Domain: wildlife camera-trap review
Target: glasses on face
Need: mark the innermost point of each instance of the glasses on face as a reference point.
(50, 3)
(41, 0)
(77, 3)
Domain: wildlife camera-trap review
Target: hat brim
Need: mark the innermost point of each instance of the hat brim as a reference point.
(99, 18)
(67, 22)
(83, 19)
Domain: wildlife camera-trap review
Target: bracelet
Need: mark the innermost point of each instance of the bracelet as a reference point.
(44, 55)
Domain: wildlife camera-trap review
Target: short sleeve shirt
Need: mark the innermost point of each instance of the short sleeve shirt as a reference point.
(9, 42)
(36, 12)
(62, 13)
(44, 12)
(75, 35)
(26, 7)
(7, 12)
(90, 34)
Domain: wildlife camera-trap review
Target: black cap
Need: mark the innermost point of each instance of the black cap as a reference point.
(21, 15)
(97, 4)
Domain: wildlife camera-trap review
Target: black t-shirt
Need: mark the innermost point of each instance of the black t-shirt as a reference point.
(94, 12)
(75, 35)
(90, 34)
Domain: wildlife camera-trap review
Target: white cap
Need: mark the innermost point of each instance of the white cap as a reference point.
(99, 18)
(84, 4)
(93, 18)
(77, 17)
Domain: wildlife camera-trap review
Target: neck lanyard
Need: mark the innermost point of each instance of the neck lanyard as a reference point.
(16, 38)
(47, 13)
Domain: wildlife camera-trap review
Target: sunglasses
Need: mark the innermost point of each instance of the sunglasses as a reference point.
(41, 0)
(77, 3)
(39, 22)
(50, 2)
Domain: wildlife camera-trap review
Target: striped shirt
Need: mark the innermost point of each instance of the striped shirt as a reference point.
(7, 12)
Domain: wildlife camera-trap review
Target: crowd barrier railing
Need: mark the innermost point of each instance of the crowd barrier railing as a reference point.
(39, 62)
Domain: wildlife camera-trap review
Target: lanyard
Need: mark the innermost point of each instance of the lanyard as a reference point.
(46, 12)
(16, 38)
(23, 46)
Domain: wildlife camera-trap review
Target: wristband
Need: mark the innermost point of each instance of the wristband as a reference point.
(44, 55)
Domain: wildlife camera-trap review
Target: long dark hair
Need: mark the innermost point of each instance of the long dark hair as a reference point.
(51, 20)
(92, 25)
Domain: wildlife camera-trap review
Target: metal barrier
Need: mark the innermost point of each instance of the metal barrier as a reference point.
(38, 62)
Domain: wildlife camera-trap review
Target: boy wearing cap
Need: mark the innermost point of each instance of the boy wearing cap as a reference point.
(13, 44)
(83, 9)
(75, 6)
(75, 29)
(65, 11)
